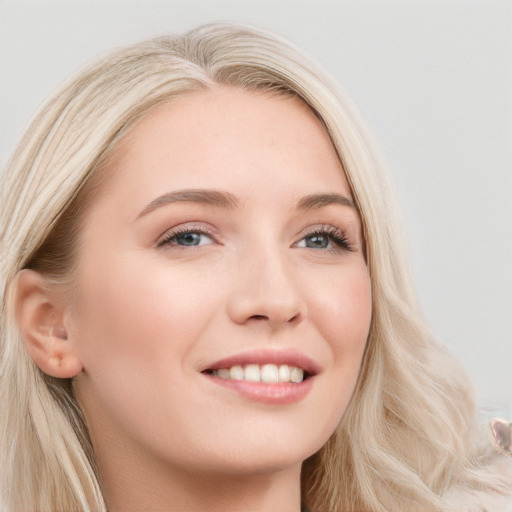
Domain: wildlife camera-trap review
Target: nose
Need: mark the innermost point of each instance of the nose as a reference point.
(266, 290)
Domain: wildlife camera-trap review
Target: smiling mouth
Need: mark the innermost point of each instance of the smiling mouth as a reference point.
(267, 373)
(275, 377)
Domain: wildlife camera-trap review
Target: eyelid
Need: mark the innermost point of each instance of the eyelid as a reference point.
(337, 235)
(188, 227)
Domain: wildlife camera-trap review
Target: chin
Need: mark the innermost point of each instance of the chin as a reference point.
(263, 454)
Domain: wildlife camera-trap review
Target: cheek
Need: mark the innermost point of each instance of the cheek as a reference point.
(128, 318)
(343, 315)
(343, 311)
(136, 333)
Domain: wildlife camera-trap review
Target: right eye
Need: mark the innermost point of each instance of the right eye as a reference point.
(186, 238)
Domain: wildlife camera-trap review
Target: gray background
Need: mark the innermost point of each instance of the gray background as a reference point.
(434, 80)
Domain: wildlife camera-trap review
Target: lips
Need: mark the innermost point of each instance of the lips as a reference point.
(290, 357)
(270, 376)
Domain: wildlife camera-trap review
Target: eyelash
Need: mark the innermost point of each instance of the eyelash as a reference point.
(172, 237)
(335, 235)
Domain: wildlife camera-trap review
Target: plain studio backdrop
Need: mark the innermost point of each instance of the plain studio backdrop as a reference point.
(433, 79)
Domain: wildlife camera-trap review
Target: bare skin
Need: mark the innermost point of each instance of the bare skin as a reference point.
(223, 236)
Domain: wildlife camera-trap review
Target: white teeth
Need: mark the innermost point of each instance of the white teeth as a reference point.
(269, 373)
(296, 375)
(223, 373)
(284, 373)
(236, 372)
(252, 373)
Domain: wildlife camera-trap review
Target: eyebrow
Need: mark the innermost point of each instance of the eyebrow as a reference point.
(316, 201)
(210, 197)
(227, 200)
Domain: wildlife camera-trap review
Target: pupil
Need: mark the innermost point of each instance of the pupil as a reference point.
(317, 242)
(189, 239)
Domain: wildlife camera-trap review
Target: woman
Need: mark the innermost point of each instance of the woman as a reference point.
(206, 302)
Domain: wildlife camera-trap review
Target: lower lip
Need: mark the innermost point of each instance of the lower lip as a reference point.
(279, 394)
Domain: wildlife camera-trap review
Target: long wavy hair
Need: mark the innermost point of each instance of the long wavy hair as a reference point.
(407, 439)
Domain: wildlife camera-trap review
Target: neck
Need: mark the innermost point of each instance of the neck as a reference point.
(132, 480)
(178, 490)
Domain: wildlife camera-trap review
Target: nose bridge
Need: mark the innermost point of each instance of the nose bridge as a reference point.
(266, 287)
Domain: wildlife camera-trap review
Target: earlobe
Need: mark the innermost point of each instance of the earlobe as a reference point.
(40, 318)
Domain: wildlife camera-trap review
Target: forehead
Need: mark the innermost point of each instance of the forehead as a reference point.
(222, 112)
(227, 137)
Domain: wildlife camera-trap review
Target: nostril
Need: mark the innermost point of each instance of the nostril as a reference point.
(259, 317)
(272, 319)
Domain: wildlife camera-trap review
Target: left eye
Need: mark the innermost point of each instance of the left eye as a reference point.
(328, 238)
(315, 241)
(186, 239)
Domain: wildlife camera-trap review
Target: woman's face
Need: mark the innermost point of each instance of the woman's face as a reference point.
(223, 242)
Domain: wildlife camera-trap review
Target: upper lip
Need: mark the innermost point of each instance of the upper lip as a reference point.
(291, 357)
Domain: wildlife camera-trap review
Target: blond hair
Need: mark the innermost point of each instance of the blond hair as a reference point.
(406, 441)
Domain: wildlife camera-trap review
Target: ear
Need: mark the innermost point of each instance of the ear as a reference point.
(41, 318)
